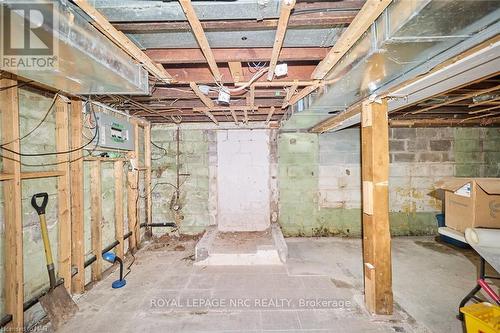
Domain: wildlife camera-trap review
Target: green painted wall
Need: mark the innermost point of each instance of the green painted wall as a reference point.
(193, 217)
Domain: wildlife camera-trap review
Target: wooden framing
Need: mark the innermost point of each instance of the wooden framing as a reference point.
(236, 70)
(76, 195)
(204, 98)
(147, 178)
(270, 115)
(199, 34)
(285, 10)
(96, 218)
(289, 94)
(376, 233)
(13, 285)
(63, 197)
(122, 41)
(119, 227)
(301, 94)
(337, 120)
(363, 20)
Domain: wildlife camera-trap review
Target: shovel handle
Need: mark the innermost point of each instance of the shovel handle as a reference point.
(40, 209)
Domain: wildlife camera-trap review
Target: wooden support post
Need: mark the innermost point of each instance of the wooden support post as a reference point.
(147, 178)
(13, 226)
(376, 233)
(96, 218)
(76, 194)
(119, 231)
(63, 193)
(133, 224)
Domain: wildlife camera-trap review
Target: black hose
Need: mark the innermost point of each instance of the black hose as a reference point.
(5, 320)
(163, 224)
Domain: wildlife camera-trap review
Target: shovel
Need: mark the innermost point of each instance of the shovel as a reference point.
(57, 303)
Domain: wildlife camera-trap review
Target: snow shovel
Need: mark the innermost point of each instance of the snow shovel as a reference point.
(57, 303)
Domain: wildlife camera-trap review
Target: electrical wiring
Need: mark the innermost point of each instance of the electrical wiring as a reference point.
(243, 87)
(44, 118)
(162, 149)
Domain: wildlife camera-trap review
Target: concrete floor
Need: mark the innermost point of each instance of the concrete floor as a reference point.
(166, 293)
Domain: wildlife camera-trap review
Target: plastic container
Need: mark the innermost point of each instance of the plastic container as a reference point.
(482, 317)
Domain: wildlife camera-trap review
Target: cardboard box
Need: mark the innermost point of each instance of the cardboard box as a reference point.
(471, 202)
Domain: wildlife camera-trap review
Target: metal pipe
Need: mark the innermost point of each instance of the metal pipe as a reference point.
(164, 224)
(5, 320)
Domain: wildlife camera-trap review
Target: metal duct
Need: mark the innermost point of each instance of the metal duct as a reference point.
(88, 63)
(407, 40)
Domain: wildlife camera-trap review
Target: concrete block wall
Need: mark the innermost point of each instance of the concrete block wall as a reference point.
(419, 158)
(197, 152)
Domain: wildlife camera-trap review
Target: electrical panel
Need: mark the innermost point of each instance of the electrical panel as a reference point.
(115, 133)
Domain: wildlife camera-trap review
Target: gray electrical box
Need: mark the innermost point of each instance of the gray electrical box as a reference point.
(115, 133)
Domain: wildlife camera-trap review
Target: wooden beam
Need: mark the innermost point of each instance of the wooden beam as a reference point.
(270, 115)
(376, 234)
(119, 227)
(226, 108)
(233, 114)
(285, 10)
(251, 102)
(147, 178)
(365, 18)
(96, 219)
(299, 83)
(199, 34)
(63, 193)
(289, 94)
(457, 99)
(236, 70)
(132, 191)
(12, 209)
(485, 109)
(204, 98)
(76, 194)
(440, 122)
(301, 94)
(203, 75)
(226, 55)
(122, 41)
(336, 120)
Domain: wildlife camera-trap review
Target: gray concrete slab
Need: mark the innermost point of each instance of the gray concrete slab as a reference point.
(319, 289)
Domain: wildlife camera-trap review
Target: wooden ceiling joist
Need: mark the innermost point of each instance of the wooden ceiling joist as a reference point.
(204, 98)
(363, 20)
(122, 41)
(224, 55)
(289, 94)
(301, 94)
(285, 10)
(236, 70)
(199, 34)
(270, 114)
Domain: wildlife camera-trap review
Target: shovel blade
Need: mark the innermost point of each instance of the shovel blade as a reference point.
(59, 306)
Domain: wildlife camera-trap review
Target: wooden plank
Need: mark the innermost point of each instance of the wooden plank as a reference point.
(204, 98)
(228, 55)
(96, 218)
(336, 120)
(76, 194)
(122, 41)
(132, 177)
(199, 34)
(119, 226)
(439, 122)
(233, 114)
(227, 108)
(270, 115)
(289, 94)
(457, 99)
(147, 178)
(236, 70)
(301, 94)
(63, 193)
(251, 102)
(300, 83)
(365, 18)
(376, 234)
(485, 109)
(285, 10)
(13, 225)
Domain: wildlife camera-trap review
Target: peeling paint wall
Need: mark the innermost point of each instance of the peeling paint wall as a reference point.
(319, 177)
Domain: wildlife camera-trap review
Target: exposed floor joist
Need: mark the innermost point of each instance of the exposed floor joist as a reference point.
(285, 10)
(199, 34)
